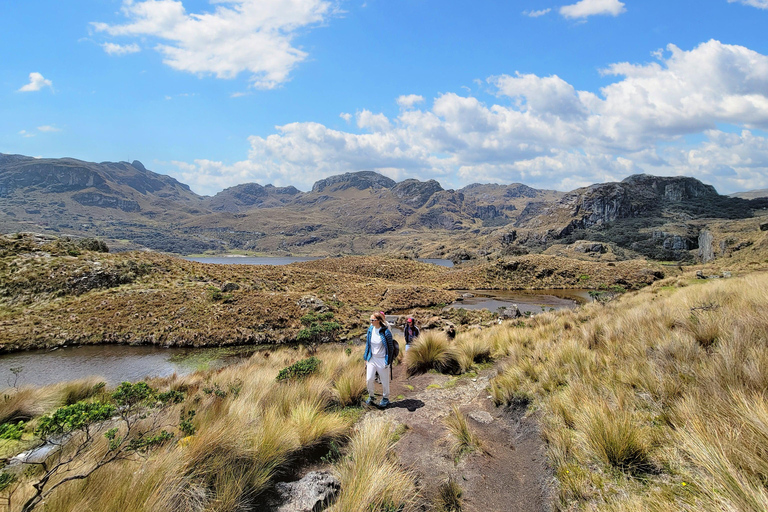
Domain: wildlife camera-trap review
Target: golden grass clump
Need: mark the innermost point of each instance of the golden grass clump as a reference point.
(616, 437)
(431, 351)
(370, 477)
(470, 349)
(462, 438)
(349, 387)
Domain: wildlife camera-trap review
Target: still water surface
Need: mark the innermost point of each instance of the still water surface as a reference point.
(283, 260)
(534, 301)
(113, 363)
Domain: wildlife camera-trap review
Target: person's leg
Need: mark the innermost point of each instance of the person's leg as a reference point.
(370, 374)
(384, 374)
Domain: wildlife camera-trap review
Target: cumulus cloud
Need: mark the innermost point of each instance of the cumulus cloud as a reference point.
(410, 100)
(543, 131)
(36, 82)
(760, 4)
(252, 36)
(586, 8)
(120, 49)
(536, 14)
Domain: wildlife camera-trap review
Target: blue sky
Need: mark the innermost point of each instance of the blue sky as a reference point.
(554, 95)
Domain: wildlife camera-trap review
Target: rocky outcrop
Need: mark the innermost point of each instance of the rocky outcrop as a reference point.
(106, 201)
(636, 196)
(312, 493)
(415, 193)
(706, 251)
(251, 195)
(359, 180)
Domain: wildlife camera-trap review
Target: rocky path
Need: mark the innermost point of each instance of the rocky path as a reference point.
(509, 475)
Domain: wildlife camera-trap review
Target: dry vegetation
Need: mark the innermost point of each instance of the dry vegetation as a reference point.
(58, 293)
(653, 402)
(249, 430)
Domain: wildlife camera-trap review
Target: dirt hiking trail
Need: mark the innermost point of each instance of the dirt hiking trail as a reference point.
(509, 475)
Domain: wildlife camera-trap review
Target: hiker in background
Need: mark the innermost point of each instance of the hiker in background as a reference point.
(411, 332)
(379, 348)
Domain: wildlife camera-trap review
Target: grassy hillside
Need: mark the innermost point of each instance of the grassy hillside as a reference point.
(653, 401)
(55, 292)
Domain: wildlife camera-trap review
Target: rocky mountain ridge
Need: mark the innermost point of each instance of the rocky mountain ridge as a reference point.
(358, 213)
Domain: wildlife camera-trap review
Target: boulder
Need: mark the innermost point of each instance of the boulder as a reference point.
(706, 252)
(230, 287)
(312, 493)
(312, 302)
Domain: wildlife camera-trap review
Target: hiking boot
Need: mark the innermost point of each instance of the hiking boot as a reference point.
(369, 401)
(384, 403)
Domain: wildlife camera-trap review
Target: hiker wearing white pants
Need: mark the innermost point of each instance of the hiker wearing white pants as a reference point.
(379, 347)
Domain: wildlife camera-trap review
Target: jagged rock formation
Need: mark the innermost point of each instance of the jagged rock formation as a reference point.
(358, 213)
(244, 197)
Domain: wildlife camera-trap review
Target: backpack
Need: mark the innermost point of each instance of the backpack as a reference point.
(395, 350)
(395, 353)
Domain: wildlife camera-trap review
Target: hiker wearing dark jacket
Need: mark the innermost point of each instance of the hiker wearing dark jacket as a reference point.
(379, 347)
(411, 332)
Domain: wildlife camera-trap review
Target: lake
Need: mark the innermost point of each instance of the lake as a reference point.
(283, 260)
(114, 363)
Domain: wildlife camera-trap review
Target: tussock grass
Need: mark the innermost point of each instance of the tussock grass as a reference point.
(654, 401)
(249, 429)
(616, 438)
(432, 351)
(462, 438)
(370, 477)
(350, 386)
(470, 349)
(27, 403)
(449, 497)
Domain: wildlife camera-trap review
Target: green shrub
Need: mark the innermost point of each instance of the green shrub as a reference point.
(12, 431)
(319, 328)
(299, 370)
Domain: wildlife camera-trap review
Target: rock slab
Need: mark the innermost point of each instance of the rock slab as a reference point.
(312, 493)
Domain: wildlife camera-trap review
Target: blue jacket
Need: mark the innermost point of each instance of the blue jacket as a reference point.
(389, 345)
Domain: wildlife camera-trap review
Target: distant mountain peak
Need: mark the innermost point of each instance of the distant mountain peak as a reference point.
(361, 180)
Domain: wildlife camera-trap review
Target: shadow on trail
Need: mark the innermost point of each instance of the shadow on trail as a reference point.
(409, 403)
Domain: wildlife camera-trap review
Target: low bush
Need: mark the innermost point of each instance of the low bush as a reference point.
(299, 370)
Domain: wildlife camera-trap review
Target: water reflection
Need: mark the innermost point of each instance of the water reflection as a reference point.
(534, 301)
(113, 363)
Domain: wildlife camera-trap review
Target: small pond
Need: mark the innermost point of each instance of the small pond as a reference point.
(283, 260)
(113, 363)
(534, 301)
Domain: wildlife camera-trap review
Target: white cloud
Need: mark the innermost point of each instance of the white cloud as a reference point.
(586, 8)
(410, 100)
(536, 14)
(25, 133)
(253, 36)
(36, 82)
(120, 49)
(48, 128)
(760, 4)
(346, 116)
(730, 161)
(543, 131)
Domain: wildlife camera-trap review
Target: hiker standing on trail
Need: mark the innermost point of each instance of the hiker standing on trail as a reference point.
(411, 332)
(379, 348)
